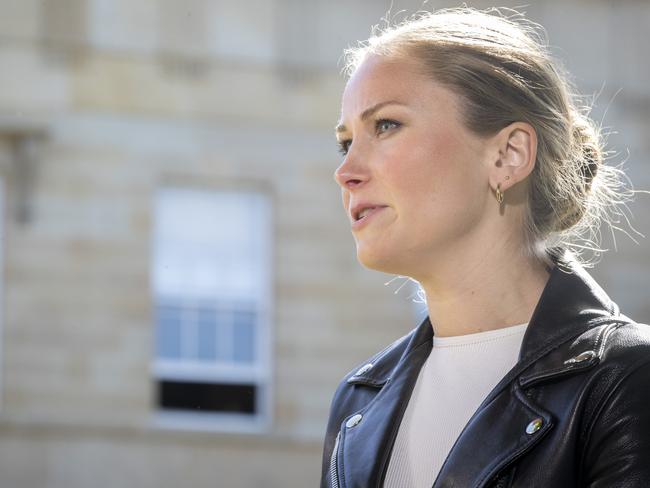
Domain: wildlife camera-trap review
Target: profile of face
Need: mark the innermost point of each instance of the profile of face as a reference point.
(414, 180)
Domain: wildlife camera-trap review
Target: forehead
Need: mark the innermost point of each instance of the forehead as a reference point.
(379, 79)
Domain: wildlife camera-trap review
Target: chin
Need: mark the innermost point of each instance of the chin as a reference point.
(378, 260)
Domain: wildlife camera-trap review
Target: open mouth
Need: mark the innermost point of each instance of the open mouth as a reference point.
(365, 211)
(363, 214)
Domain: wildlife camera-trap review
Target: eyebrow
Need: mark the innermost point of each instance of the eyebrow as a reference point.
(368, 112)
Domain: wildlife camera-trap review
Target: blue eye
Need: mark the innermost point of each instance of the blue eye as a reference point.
(382, 125)
(344, 146)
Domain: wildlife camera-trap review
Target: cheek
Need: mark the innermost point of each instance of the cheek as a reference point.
(435, 179)
(446, 150)
(429, 167)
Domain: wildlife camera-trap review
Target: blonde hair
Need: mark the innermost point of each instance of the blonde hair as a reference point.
(502, 70)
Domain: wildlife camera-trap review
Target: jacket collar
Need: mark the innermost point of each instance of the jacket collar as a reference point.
(555, 316)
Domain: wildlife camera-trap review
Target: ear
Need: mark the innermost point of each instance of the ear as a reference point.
(515, 154)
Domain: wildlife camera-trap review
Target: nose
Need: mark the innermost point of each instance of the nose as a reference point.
(350, 174)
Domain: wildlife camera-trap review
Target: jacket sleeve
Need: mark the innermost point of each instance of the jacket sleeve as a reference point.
(618, 446)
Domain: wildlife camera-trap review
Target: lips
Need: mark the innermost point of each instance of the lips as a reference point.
(363, 212)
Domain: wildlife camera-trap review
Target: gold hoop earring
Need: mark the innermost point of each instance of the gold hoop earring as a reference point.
(499, 193)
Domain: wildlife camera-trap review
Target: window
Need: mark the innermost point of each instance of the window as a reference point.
(211, 285)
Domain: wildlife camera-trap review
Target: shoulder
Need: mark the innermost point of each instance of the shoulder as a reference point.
(617, 343)
(617, 434)
(614, 349)
(627, 346)
(625, 359)
(621, 372)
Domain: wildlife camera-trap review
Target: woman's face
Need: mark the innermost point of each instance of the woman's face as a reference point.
(413, 178)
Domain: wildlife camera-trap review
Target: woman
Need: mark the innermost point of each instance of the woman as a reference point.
(469, 168)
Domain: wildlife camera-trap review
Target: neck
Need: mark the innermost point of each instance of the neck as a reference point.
(490, 289)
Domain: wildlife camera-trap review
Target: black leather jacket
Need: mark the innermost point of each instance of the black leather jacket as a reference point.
(573, 412)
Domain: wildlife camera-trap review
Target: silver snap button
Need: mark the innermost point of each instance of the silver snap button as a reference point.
(583, 356)
(534, 426)
(363, 369)
(354, 420)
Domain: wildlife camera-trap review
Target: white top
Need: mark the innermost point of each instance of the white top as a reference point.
(458, 374)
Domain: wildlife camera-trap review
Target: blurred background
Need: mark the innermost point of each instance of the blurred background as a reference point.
(179, 293)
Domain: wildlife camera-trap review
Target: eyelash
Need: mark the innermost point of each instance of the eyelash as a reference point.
(344, 145)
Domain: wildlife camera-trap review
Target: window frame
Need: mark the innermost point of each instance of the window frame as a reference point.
(259, 374)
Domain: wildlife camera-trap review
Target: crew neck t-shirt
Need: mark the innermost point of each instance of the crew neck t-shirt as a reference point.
(456, 377)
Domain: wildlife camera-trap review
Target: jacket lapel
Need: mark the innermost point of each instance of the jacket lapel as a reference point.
(570, 301)
(365, 447)
(497, 434)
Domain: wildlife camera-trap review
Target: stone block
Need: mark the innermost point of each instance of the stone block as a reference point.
(28, 84)
(242, 32)
(19, 19)
(120, 25)
(183, 26)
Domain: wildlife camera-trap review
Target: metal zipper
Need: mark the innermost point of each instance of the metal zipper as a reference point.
(334, 475)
